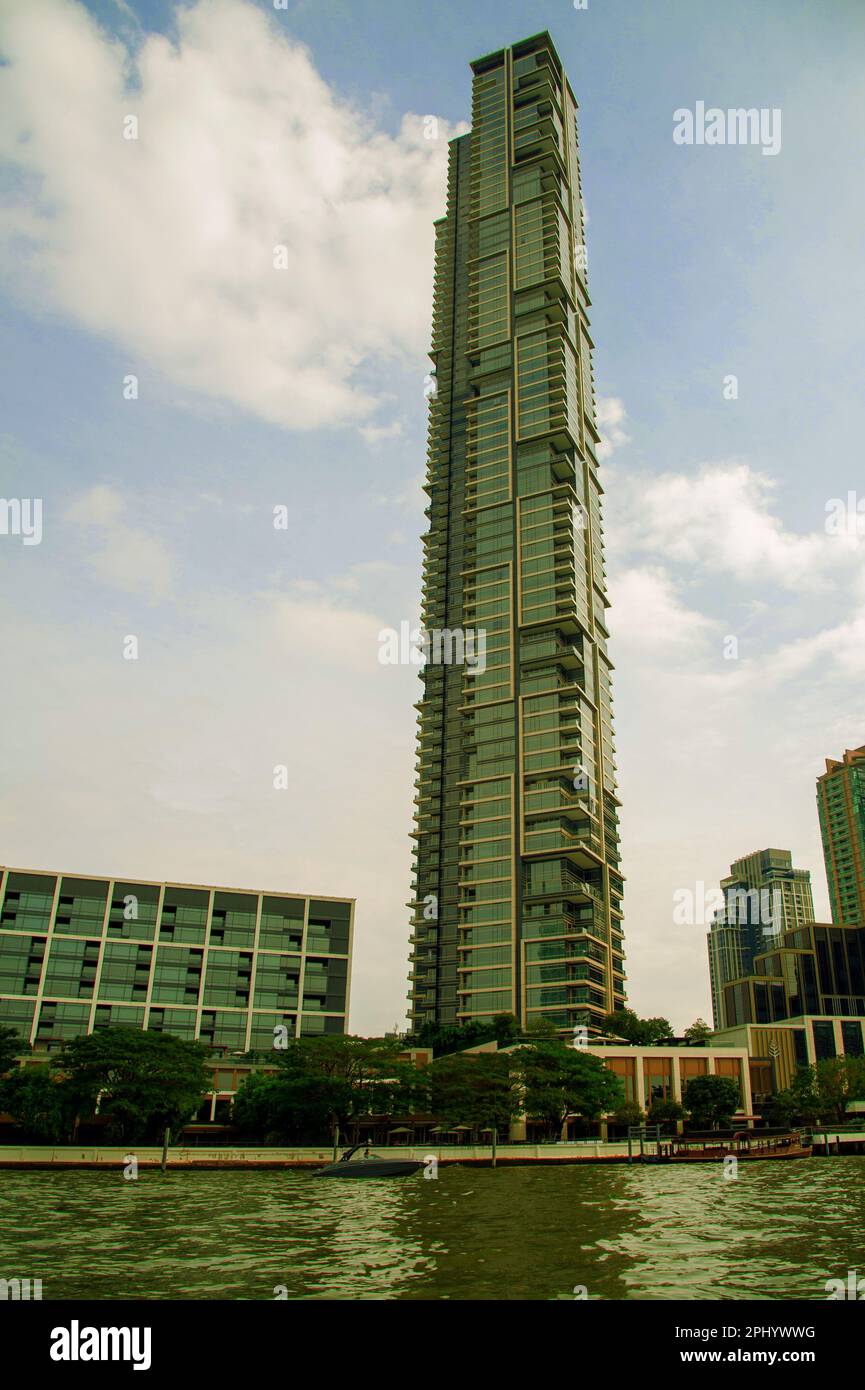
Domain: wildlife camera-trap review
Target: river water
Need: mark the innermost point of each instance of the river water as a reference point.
(778, 1231)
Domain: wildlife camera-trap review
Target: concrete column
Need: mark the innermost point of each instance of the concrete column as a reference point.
(677, 1078)
(641, 1082)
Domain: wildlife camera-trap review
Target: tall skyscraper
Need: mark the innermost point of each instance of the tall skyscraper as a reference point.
(765, 897)
(518, 889)
(841, 807)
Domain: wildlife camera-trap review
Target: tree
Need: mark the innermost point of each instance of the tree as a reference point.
(800, 1103)
(541, 1028)
(712, 1101)
(145, 1081)
(285, 1109)
(444, 1038)
(477, 1090)
(372, 1078)
(699, 1032)
(838, 1080)
(665, 1112)
(628, 1114)
(782, 1109)
(12, 1045)
(506, 1029)
(40, 1103)
(559, 1081)
(643, 1032)
(820, 1094)
(326, 1083)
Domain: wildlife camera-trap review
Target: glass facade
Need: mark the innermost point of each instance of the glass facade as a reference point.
(818, 969)
(227, 967)
(841, 808)
(517, 894)
(765, 897)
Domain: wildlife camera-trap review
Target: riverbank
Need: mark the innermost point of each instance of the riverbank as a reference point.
(198, 1157)
(195, 1156)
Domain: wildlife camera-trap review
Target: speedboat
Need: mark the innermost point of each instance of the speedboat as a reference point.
(369, 1165)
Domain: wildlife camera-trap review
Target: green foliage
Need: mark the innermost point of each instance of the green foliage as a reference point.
(711, 1101)
(443, 1039)
(799, 1103)
(642, 1032)
(628, 1114)
(145, 1081)
(506, 1029)
(12, 1046)
(327, 1082)
(538, 1029)
(783, 1110)
(40, 1103)
(698, 1032)
(820, 1094)
(839, 1079)
(285, 1109)
(559, 1081)
(373, 1079)
(477, 1090)
(665, 1112)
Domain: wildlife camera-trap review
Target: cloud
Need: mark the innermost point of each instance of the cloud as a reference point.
(165, 244)
(611, 418)
(164, 766)
(124, 557)
(374, 434)
(411, 499)
(648, 614)
(717, 756)
(721, 521)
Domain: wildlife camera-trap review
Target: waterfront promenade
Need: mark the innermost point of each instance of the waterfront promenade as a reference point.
(508, 1155)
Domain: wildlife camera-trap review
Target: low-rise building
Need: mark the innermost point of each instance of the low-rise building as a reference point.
(777, 1050)
(226, 966)
(659, 1072)
(815, 969)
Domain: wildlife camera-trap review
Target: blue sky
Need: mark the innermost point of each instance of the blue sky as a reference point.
(258, 647)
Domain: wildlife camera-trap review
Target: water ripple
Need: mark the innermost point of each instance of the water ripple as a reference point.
(778, 1231)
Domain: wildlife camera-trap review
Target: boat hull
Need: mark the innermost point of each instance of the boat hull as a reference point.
(719, 1156)
(370, 1168)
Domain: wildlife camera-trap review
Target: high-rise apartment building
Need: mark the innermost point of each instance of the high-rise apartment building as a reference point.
(221, 965)
(841, 807)
(764, 897)
(518, 887)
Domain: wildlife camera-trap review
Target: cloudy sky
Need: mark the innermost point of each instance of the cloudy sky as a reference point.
(301, 387)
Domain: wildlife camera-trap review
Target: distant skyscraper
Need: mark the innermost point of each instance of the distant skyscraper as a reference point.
(518, 889)
(841, 807)
(765, 896)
